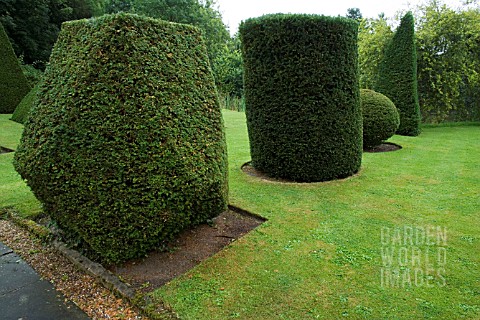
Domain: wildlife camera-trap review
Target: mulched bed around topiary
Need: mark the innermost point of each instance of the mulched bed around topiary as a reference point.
(384, 147)
(251, 171)
(5, 150)
(189, 249)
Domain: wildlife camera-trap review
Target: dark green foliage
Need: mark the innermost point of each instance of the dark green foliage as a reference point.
(125, 146)
(115, 6)
(32, 74)
(23, 109)
(33, 25)
(228, 70)
(28, 25)
(398, 76)
(13, 84)
(354, 13)
(302, 96)
(202, 14)
(448, 46)
(380, 118)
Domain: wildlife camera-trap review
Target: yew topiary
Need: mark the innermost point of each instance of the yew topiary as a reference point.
(302, 96)
(23, 109)
(125, 145)
(380, 118)
(13, 84)
(397, 77)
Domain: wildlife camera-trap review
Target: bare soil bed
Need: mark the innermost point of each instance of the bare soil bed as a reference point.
(384, 147)
(5, 150)
(189, 249)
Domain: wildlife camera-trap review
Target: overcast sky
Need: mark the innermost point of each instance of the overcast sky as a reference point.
(234, 11)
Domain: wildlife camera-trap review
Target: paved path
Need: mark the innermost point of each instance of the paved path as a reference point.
(24, 295)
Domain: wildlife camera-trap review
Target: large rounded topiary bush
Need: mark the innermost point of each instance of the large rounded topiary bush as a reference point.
(301, 96)
(380, 118)
(125, 145)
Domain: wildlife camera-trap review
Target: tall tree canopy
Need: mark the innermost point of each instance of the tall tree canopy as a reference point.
(354, 13)
(228, 69)
(373, 36)
(448, 44)
(33, 25)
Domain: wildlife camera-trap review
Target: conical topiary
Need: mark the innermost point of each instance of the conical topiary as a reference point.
(13, 84)
(397, 77)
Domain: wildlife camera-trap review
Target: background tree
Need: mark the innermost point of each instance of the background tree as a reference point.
(114, 6)
(86, 8)
(354, 13)
(228, 69)
(33, 25)
(373, 36)
(448, 62)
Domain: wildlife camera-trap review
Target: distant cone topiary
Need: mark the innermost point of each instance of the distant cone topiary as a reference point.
(380, 118)
(302, 96)
(125, 145)
(397, 77)
(23, 109)
(13, 84)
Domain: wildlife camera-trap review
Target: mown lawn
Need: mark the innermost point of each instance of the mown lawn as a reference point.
(321, 254)
(13, 190)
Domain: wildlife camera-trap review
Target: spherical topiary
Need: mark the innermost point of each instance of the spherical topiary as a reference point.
(302, 96)
(380, 118)
(125, 145)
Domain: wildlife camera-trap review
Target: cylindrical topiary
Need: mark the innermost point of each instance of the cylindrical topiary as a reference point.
(125, 146)
(380, 118)
(301, 96)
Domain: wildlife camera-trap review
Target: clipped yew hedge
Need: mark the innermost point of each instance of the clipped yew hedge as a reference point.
(23, 108)
(380, 118)
(301, 96)
(125, 146)
(13, 84)
(398, 76)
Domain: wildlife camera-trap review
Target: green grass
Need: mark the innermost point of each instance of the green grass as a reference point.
(13, 190)
(319, 254)
(450, 124)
